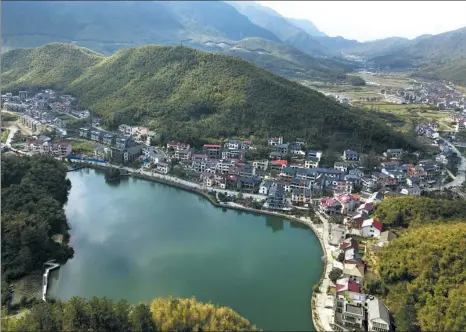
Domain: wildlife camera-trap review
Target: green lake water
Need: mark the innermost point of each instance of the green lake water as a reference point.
(139, 240)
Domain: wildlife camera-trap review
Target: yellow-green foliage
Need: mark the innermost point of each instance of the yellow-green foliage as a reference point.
(196, 96)
(103, 314)
(412, 211)
(425, 271)
(175, 314)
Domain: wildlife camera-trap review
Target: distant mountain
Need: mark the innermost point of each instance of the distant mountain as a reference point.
(109, 26)
(195, 96)
(307, 26)
(440, 56)
(427, 50)
(281, 27)
(378, 47)
(288, 61)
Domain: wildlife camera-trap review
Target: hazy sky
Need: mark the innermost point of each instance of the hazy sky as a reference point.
(368, 20)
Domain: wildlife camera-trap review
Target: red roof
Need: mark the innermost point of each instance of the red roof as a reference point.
(348, 285)
(279, 162)
(377, 224)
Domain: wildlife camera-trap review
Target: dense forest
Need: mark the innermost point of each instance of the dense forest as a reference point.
(424, 271)
(34, 190)
(103, 314)
(191, 95)
(415, 211)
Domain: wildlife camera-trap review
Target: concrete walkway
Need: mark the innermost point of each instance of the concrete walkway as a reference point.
(11, 134)
(51, 265)
(325, 315)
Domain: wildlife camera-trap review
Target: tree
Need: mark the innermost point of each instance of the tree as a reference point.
(140, 319)
(335, 274)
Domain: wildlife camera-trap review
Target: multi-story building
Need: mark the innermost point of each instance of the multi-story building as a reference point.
(276, 199)
(213, 151)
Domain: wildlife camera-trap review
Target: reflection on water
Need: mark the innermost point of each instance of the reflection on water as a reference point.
(141, 240)
(276, 223)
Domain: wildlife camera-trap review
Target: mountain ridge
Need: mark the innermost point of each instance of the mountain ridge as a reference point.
(196, 96)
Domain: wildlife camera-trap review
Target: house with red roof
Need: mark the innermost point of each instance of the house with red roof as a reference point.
(347, 285)
(371, 228)
(330, 206)
(348, 203)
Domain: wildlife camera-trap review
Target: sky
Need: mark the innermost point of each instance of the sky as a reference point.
(370, 20)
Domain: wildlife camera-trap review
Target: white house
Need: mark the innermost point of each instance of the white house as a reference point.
(163, 168)
(378, 317)
(371, 228)
(411, 191)
(264, 187)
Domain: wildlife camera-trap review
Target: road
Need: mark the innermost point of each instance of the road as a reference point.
(186, 183)
(460, 176)
(325, 315)
(11, 134)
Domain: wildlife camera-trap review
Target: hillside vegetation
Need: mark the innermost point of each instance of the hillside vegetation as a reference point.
(34, 190)
(103, 314)
(425, 272)
(416, 211)
(198, 96)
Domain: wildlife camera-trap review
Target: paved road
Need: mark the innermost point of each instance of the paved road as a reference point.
(186, 183)
(325, 315)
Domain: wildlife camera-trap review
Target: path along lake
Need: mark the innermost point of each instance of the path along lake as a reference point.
(139, 240)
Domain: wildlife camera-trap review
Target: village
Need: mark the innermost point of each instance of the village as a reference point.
(279, 177)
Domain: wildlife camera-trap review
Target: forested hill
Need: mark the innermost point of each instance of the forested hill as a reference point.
(34, 191)
(196, 96)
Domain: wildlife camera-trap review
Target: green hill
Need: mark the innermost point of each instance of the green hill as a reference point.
(424, 271)
(197, 96)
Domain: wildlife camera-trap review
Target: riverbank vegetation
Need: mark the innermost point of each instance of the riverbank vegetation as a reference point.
(34, 190)
(103, 314)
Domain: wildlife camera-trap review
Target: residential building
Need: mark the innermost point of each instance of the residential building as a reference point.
(261, 164)
(264, 187)
(301, 196)
(311, 162)
(411, 191)
(163, 167)
(349, 315)
(355, 273)
(85, 133)
(182, 154)
(275, 155)
(283, 148)
(337, 234)
(276, 199)
(125, 129)
(371, 228)
(108, 139)
(393, 153)
(125, 155)
(274, 141)
(213, 151)
(123, 142)
(330, 206)
(350, 155)
(248, 184)
(378, 316)
(342, 166)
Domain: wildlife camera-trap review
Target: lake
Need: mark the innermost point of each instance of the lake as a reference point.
(139, 240)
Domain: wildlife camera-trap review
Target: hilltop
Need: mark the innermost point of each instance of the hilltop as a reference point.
(197, 96)
(107, 27)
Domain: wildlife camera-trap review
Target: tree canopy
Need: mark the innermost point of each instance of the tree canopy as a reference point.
(104, 314)
(34, 190)
(425, 272)
(414, 211)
